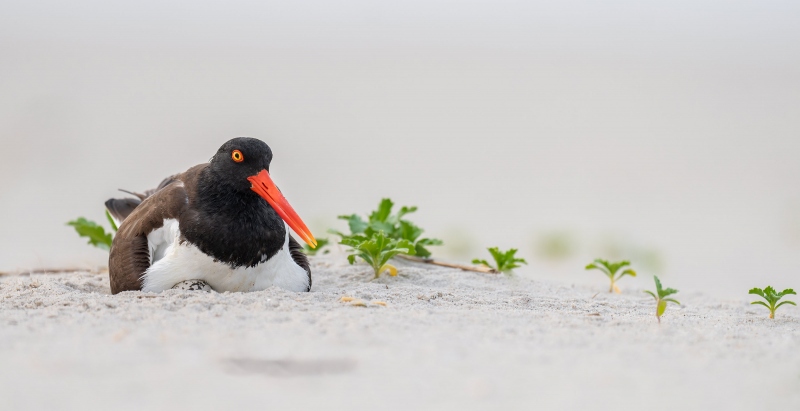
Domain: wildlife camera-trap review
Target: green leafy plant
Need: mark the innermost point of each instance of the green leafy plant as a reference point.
(321, 242)
(96, 234)
(661, 300)
(505, 260)
(611, 270)
(393, 225)
(772, 298)
(377, 250)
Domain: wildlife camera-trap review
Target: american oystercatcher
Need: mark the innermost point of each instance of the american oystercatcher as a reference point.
(220, 225)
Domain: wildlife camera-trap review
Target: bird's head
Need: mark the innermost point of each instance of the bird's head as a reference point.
(243, 162)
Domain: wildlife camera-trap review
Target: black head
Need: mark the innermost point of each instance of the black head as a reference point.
(240, 158)
(237, 181)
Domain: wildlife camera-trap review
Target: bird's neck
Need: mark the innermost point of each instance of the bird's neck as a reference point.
(234, 226)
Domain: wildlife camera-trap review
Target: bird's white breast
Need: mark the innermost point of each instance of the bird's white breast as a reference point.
(172, 262)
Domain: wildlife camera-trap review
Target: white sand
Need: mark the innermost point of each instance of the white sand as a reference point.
(447, 339)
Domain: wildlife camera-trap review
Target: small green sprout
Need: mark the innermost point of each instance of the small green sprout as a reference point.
(321, 242)
(377, 250)
(96, 234)
(772, 297)
(393, 225)
(505, 261)
(111, 221)
(610, 270)
(661, 302)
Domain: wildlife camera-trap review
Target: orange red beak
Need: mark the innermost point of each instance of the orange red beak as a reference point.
(262, 184)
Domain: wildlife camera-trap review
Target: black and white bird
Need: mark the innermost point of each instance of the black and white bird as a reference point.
(221, 225)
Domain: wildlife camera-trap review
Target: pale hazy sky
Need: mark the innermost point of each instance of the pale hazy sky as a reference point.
(667, 126)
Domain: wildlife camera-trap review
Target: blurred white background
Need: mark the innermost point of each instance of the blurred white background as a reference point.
(664, 132)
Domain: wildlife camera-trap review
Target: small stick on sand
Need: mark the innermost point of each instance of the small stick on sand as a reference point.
(56, 271)
(476, 268)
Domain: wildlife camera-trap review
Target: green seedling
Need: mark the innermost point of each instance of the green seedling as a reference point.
(96, 234)
(661, 301)
(393, 225)
(610, 270)
(772, 298)
(376, 250)
(321, 242)
(505, 261)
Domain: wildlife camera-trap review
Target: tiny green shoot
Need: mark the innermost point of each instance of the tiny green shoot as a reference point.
(321, 242)
(376, 250)
(505, 261)
(96, 234)
(610, 270)
(661, 301)
(111, 221)
(393, 225)
(772, 298)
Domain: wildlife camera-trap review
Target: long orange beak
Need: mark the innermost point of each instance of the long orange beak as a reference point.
(262, 184)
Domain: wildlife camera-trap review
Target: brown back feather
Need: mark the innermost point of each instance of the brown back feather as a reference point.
(121, 208)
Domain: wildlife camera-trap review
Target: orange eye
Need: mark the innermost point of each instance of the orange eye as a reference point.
(237, 156)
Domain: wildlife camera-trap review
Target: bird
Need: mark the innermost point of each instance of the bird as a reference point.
(221, 226)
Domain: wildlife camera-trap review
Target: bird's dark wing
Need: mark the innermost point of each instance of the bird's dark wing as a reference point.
(130, 254)
(300, 258)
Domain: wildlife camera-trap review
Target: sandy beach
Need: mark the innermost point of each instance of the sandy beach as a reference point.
(445, 339)
(661, 133)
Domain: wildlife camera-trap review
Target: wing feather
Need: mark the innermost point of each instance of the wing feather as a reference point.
(300, 258)
(130, 255)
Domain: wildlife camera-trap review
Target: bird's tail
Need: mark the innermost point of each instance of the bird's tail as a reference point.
(121, 208)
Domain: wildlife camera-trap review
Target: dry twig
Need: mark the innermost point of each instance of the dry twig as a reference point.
(465, 267)
(55, 271)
